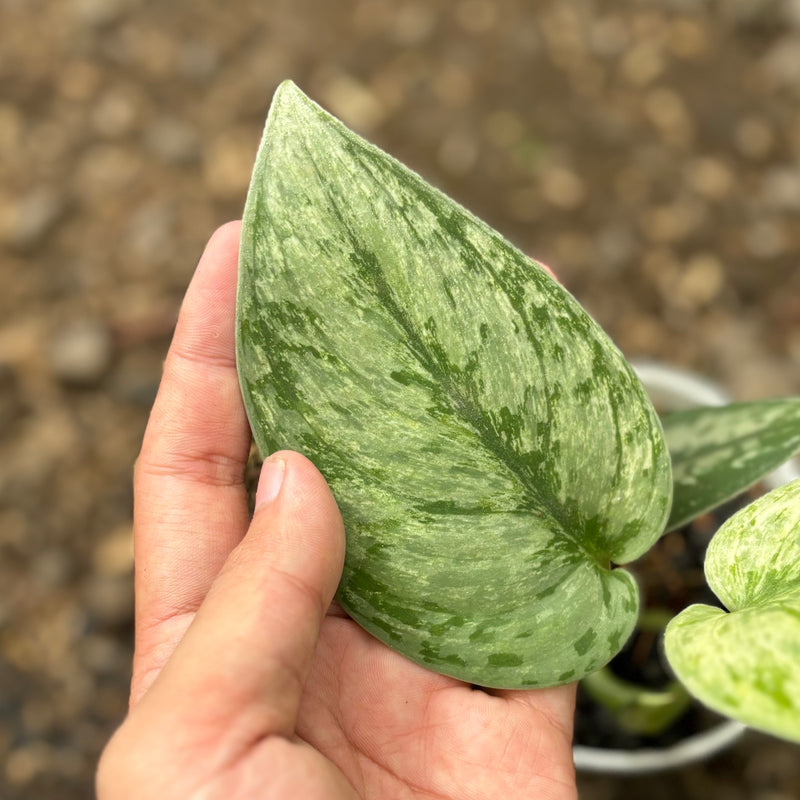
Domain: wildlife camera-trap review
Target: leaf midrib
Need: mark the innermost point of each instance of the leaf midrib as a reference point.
(467, 411)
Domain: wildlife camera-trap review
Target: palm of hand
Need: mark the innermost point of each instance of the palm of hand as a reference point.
(243, 686)
(372, 720)
(397, 730)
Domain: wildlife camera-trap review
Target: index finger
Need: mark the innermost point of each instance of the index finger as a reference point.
(190, 507)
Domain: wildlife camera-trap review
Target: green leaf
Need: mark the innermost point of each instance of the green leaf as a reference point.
(719, 451)
(746, 663)
(489, 448)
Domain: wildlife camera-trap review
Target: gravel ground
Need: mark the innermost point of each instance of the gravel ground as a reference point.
(648, 150)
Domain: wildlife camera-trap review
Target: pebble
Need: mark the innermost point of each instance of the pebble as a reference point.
(81, 352)
(615, 246)
(671, 222)
(413, 24)
(642, 64)
(753, 137)
(781, 188)
(791, 13)
(668, 113)
(765, 239)
(709, 177)
(116, 112)
(198, 61)
(228, 162)
(688, 39)
(97, 13)
(27, 221)
(562, 188)
(172, 140)
(781, 64)
(113, 555)
(609, 36)
(702, 280)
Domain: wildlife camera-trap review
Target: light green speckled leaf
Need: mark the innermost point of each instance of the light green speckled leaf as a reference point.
(746, 662)
(719, 451)
(489, 448)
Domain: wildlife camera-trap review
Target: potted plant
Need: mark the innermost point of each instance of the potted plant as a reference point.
(629, 727)
(496, 459)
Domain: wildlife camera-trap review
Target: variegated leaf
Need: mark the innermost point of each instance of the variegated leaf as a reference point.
(719, 451)
(746, 662)
(491, 451)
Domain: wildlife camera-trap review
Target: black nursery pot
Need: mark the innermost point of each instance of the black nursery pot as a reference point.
(670, 578)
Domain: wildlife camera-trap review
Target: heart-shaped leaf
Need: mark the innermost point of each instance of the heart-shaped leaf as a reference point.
(719, 451)
(491, 451)
(746, 663)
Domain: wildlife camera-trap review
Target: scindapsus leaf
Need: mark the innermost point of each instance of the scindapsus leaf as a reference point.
(719, 451)
(746, 662)
(491, 451)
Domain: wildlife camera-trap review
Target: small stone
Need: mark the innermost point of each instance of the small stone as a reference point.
(26, 762)
(116, 112)
(97, 13)
(114, 554)
(791, 13)
(765, 239)
(413, 24)
(642, 64)
(228, 163)
(781, 188)
(80, 352)
(672, 222)
(562, 188)
(198, 61)
(353, 102)
(688, 39)
(615, 246)
(709, 177)
(753, 137)
(26, 222)
(701, 282)
(172, 140)
(781, 64)
(667, 112)
(609, 36)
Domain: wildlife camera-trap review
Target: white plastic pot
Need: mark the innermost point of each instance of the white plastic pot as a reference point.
(672, 389)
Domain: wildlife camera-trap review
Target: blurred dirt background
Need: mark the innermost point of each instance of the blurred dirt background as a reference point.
(649, 150)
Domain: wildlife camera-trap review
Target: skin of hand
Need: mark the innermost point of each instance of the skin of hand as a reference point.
(247, 681)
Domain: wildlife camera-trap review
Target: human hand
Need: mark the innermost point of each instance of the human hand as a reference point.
(246, 682)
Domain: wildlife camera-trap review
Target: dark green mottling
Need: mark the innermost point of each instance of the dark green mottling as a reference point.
(484, 439)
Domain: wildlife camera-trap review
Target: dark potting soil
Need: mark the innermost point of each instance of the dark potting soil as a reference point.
(670, 578)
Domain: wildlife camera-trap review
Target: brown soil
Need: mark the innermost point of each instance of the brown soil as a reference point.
(649, 151)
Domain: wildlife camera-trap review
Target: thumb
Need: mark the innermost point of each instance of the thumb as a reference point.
(246, 655)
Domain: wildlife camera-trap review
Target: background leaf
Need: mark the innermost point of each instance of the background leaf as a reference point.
(719, 451)
(746, 663)
(490, 450)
